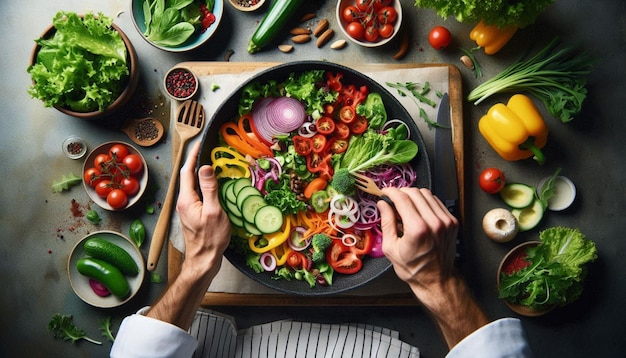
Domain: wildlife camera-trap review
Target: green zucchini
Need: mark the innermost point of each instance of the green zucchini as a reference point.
(105, 273)
(273, 22)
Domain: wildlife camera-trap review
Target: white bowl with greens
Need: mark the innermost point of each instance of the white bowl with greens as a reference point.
(177, 25)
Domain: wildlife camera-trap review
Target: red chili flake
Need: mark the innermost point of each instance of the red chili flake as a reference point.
(516, 262)
(76, 210)
(180, 83)
(49, 251)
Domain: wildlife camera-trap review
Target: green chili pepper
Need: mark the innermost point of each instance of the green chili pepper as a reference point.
(137, 232)
(93, 216)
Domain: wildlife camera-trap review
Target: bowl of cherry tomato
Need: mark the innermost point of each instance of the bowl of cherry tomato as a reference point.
(369, 23)
(115, 175)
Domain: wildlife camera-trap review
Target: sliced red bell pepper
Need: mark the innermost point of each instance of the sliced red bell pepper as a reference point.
(343, 259)
(318, 164)
(302, 145)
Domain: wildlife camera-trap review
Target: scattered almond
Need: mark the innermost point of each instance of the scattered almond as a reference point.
(300, 31)
(338, 45)
(324, 37)
(285, 48)
(320, 28)
(300, 39)
(307, 17)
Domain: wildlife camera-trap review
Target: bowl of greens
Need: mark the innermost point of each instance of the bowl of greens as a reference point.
(537, 276)
(178, 25)
(283, 146)
(84, 66)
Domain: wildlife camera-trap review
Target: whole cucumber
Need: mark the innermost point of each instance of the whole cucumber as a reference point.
(105, 250)
(273, 22)
(110, 276)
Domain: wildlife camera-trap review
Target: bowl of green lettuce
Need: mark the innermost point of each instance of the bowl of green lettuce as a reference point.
(84, 66)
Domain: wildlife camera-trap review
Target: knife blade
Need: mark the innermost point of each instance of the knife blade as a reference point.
(445, 182)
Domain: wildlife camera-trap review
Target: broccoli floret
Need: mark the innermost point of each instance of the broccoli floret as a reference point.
(319, 244)
(343, 182)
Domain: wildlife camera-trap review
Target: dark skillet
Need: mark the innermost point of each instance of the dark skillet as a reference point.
(372, 268)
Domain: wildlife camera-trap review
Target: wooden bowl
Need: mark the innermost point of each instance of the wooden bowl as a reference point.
(510, 256)
(252, 7)
(129, 87)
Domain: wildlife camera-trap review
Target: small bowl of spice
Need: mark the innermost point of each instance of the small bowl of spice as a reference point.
(247, 5)
(74, 147)
(181, 84)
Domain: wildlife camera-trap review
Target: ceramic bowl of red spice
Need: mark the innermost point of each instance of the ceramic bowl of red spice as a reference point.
(514, 261)
(181, 84)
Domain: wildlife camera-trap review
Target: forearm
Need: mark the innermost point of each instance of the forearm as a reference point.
(181, 300)
(453, 308)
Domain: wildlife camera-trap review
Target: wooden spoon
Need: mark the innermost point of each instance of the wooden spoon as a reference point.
(144, 131)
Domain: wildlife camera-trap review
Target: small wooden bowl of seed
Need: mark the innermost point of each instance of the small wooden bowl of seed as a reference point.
(247, 5)
(181, 84)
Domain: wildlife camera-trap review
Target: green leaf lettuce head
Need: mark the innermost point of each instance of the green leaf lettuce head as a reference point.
(556, 271)
(82, 66)
(493, 12)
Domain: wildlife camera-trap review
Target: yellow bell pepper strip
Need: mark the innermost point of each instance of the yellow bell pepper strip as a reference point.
(490, 37)
(227, 163)
(265, 243)
(515, 130)
(281, 252)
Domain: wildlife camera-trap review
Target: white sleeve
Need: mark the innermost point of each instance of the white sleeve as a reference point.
(502, 338)
(141, 336)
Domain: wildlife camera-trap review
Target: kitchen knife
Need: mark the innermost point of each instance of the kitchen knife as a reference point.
(445, 184)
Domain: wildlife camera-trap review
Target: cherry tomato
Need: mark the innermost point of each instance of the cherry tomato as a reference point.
(100, 160)
(118, 151)
(91, 176)
(319, 143)
(325, 125)
(355, 30)
(130, 186)
(371, 33)
(302, 145)
(386, 31)
(364, 5)
(338, 145)
(387, 15)
(491, 180)
(134, 163)
(347, 114)
(439, 37)
(117, 198)
(350, 13)
(103, 188)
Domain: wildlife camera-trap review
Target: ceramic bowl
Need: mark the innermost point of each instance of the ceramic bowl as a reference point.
(142, 177)
(129, 86)
(564, 195)
(515, 253)
(74, 147)
(247, 5)
(343, 24)
(80, 284)
(180, 84)
(196, 40)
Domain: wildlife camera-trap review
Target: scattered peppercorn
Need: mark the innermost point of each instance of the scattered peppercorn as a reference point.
(146, 130)
(75, 148)
(247, 3)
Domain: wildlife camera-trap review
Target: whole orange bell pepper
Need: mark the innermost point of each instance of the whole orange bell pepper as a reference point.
(515, 130)
(492, 38)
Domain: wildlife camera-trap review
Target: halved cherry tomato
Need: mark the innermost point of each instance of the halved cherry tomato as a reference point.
(359, 125)
(325, 125)
(347, 114)
(297, 261)
(342, 131)
(338, 145)
(319, 143)
(343, 259)
(303, 145)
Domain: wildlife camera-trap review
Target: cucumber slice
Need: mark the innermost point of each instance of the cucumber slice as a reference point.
(233, 209)
(230, 193)
(529, 216)
(268, 219)
(235, 220)
(251, 228)
(240, 184)
(251, 206)
(245, 193)
(518, 195)
(224, 188)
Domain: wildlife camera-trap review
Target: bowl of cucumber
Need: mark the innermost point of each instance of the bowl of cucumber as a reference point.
(271, 154)
(105, 269)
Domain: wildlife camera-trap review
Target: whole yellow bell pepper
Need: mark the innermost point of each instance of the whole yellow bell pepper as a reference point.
(492, 38)
(515, 130)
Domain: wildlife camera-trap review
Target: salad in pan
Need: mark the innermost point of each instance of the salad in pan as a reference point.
(284, 165)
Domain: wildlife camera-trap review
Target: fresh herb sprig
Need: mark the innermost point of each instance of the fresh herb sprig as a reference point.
(555, 76)
(105, 329)
(62, 327)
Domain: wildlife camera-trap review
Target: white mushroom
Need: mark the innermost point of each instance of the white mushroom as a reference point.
(500, 225)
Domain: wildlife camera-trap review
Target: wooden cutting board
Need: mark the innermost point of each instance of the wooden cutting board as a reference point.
(212, 299)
